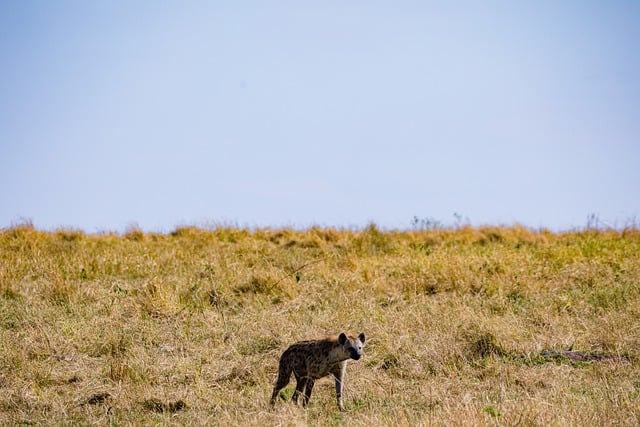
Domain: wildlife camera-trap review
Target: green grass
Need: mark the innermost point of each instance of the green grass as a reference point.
(464, 326)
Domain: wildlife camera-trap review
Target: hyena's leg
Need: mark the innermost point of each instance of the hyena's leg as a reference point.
(307, 392)
(284, 374)
(338, 373)
(300, 386)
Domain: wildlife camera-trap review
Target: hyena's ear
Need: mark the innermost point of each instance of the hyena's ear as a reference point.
(361, 337)
(342, 338)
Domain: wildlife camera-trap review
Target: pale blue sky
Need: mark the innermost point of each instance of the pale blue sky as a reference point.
(335, 113)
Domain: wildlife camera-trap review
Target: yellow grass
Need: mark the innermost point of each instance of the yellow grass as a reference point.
(464, 326)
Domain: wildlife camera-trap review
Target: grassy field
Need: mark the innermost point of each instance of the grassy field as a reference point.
(465, 326)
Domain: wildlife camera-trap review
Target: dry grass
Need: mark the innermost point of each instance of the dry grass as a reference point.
(464, 327)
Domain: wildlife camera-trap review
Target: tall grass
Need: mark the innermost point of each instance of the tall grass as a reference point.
(465, 326)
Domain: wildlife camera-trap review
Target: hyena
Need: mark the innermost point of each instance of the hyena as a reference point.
(311, 360)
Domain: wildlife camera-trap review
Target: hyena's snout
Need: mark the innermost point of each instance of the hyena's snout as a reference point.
(355, 353)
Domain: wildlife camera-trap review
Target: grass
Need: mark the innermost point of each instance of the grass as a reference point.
(465, 326)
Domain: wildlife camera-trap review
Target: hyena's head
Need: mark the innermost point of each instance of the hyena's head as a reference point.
(352, 346)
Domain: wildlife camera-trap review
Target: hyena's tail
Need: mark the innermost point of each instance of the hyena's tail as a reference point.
(284, 375)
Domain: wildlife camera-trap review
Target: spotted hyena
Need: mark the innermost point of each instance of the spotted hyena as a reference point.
(310, 360)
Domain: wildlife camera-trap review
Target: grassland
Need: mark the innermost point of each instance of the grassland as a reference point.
(467, 326)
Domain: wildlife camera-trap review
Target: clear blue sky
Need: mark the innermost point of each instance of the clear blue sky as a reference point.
(335, 113)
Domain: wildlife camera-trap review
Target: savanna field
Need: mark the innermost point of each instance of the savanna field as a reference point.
(465, 326)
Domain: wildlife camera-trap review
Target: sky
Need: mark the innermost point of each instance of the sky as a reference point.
(158, 114)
